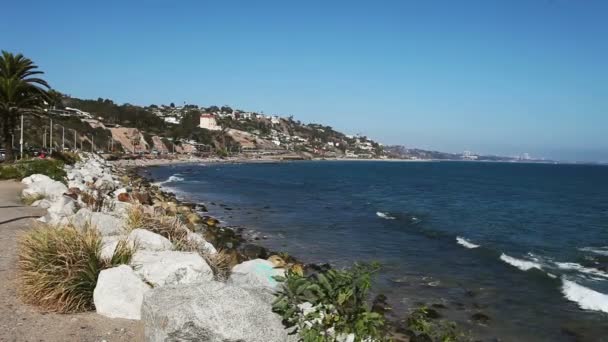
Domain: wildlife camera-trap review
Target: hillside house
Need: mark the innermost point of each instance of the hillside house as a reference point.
(207, 121)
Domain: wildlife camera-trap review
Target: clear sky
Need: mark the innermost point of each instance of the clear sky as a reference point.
(489, 76)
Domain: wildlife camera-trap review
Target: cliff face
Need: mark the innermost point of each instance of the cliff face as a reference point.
(131, 139)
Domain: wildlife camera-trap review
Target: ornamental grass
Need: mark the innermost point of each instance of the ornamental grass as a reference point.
(58, 267)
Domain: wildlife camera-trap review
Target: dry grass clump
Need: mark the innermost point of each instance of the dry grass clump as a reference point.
(136, 218)
(219, 262)
(30, 199)
(58, 267)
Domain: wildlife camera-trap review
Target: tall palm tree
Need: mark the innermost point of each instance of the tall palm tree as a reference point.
(21, 92)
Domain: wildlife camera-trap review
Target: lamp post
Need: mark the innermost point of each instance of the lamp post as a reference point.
(21, 137)
(51, 137)
(75, 143)
(62, 138)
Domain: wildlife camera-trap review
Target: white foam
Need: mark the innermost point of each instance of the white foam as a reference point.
(384, 215)
(580, 268)
(523, 265)
(585, 298)
(172, 179)
(596, 250)
(465, 243)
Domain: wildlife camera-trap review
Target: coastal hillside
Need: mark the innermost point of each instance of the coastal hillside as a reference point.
(196, 129)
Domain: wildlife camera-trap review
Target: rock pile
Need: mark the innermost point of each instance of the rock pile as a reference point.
(162, 284)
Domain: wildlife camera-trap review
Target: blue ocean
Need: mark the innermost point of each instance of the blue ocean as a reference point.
(526, 245)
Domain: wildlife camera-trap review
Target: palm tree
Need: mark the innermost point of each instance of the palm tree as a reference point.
(21, 92)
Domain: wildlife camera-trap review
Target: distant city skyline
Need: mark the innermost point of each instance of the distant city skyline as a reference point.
(491, 77)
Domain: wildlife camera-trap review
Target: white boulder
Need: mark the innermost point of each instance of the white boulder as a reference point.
(149, 241)
(171, 267)
(200, 241)
(106, 224)
(119, 293)
(210, 312)
(256, 273)
(108, 245)
(43, 185)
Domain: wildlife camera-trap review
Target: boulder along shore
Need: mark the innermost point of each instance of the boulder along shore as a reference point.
(184, 266)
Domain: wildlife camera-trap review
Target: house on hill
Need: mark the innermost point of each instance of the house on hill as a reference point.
(207, 121)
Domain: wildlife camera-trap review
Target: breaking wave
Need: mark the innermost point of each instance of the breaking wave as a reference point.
(463, 242)
(580, 268)
(385, 216)
(523, 265)
(172, 179)
(585, 298)
(596, 250)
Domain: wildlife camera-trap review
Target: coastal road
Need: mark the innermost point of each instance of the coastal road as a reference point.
(20, 322)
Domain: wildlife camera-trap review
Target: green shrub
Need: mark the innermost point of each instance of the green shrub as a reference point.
(58, 267)
(24, 168)
(332, 304)
(69, 158)
(423, 325)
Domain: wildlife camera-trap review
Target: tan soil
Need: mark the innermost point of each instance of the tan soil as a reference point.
(20, 322)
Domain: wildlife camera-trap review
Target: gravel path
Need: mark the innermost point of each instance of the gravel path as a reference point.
(20, 322)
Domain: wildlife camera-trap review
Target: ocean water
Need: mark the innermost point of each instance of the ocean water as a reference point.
(524, 244)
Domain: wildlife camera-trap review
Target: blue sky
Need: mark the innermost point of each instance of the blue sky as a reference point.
(490, 76)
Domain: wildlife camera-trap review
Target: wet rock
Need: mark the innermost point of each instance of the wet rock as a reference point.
(251, 251)
(432, 314)
(211, 221)
(481, 318)
(194, 218)
(380, 305)
(438, 306)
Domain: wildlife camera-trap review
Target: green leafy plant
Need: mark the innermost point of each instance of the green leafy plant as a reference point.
(421, 323)
(25, 168)
(329, 305)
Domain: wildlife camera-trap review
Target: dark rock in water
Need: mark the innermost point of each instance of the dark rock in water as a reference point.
(201, 207)
(318, 267)
(432, 314)
(421, 338)
(480, 318)
(470, 293)
(379, 305)
(227, 208)
(438, 306)
(251, 251)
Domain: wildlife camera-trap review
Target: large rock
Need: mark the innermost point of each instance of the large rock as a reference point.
(256, 273)
(59, 210)
(148, 241)
(201, 243)
(106, 224)
(43, 185)
(171, 267)
(213, 312)
(119, 293)
(108, 245)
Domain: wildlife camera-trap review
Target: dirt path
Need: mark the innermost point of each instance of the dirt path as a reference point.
(20, 322)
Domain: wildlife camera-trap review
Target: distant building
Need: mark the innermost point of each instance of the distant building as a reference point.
(171, 119)
(207, 121)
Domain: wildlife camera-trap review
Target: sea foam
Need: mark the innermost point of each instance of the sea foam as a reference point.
(465, 243)
(384, 215)
(585, 298)
(596, 250)
(172, 179)
(580, 268)
(523, 265)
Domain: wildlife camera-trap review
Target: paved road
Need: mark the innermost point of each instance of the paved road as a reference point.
(20, 322)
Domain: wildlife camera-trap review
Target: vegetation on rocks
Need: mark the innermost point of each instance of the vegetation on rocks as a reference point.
(28, 200)
(331, 305)
(58, 267)
(422, 324)
(24, 168)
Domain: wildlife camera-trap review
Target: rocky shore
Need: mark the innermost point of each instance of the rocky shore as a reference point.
(188, 278)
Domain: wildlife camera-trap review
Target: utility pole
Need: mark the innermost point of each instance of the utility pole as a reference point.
(62, 138)
(44, 138)
(75, 144)
(21, 138)
(51, 137)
